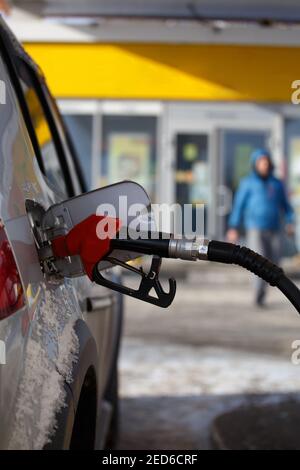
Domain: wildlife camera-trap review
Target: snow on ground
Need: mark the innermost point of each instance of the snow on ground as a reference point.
(171, 394)
(150, 369)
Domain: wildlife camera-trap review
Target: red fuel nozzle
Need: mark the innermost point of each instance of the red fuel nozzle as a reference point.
(90, 239)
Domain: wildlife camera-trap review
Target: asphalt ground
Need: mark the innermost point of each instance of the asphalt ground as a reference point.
(212, 351)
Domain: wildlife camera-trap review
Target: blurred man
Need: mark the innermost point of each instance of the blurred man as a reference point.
(260, 204)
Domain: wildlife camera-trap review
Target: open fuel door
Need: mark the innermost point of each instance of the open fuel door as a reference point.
(69, 243)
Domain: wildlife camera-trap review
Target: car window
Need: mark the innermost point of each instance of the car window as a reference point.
(69, 151)
(51, 162)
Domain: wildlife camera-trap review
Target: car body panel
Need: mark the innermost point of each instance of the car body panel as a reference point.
(45, 363)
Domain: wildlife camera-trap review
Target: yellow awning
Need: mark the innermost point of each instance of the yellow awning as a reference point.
(169, 71)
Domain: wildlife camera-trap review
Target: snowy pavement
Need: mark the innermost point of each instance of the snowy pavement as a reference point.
(208, 353)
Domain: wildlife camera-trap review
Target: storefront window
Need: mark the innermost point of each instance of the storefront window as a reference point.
(129, 150)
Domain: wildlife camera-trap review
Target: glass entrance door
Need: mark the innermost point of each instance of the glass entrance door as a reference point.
(292, 152)
(192, 172)
(235, 148)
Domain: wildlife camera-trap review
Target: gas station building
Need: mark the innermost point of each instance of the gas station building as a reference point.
(172, 104)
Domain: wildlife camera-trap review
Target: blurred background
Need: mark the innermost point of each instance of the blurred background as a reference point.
(176, 95)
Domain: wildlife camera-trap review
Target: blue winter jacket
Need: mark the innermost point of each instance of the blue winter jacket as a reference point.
(260, 203)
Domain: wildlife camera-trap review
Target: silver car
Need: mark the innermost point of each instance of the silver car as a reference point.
(59, 340)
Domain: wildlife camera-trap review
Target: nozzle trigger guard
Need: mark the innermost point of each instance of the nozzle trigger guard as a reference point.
(148, 282)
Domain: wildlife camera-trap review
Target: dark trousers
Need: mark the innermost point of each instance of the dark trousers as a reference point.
(267, 243)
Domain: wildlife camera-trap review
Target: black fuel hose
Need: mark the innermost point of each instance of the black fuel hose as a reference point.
(218, 251)
(229, 253)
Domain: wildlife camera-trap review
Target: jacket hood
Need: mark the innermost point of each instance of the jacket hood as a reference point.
(257, 154)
